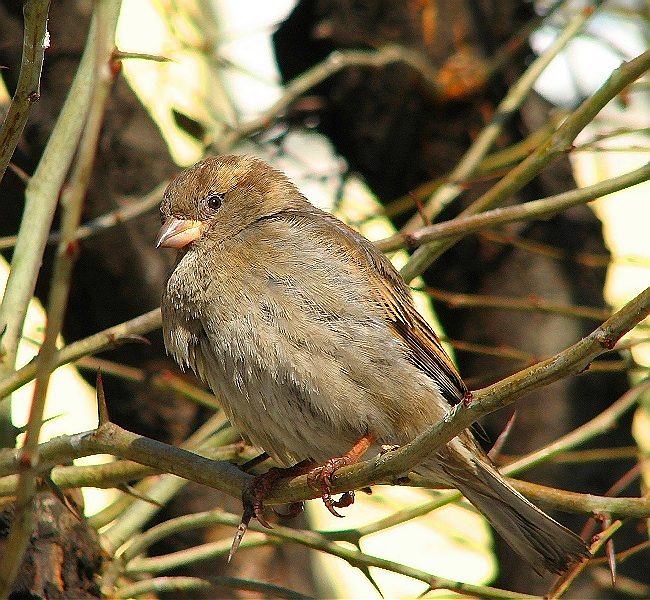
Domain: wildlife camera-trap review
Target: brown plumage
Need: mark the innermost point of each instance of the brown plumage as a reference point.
(310, 339)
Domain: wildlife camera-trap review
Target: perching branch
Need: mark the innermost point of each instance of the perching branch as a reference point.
(226, 477)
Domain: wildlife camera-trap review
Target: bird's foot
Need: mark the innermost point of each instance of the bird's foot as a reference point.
(254, 495)
(321, 477)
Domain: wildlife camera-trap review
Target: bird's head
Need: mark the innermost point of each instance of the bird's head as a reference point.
(219, 197)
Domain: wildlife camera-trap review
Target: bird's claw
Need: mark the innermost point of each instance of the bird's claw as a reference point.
(253, 496)
(253, 501)
(321, 478)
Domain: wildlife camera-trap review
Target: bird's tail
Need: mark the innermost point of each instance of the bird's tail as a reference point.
(536, 537)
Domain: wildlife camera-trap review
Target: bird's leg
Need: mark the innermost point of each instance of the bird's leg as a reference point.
(253, 498)
(262, 484)
(322, 476)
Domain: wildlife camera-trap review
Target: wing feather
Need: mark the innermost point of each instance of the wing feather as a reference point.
(423, 347)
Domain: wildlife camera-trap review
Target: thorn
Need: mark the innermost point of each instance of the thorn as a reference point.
(241, 530)
(131, 491)
(56, 490)
(419, 205)
(503, 436)
(102, 409)
(366, 571)
(611, 559)
(23, 428)
(609, 549)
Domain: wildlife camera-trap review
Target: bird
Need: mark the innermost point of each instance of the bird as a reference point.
(310, 339)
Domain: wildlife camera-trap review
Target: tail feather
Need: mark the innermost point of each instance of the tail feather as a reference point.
(538, 538)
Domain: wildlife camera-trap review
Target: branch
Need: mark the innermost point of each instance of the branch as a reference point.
(557, 144)
(105, 17)
(108, 338)
(134, 207)
(317, 541)
(602, 422)
(28, 88)
(338, 61)
(573, 502)
(41, 198)
(226, 477)
(536, 209)
(191, 585)
(470, 162)
(571, 361)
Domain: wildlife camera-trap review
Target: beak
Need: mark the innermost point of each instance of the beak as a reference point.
(178, 233)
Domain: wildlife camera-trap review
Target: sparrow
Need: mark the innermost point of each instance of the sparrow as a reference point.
(310, 339)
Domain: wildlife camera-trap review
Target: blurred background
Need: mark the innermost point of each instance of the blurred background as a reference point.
(371, 145)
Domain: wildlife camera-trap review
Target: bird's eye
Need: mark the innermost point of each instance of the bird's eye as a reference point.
(214, 201)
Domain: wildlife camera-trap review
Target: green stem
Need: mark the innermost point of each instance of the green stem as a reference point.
(186, 585)
(557, 144)
(100, 82)
(317, 541)
(536, 209)
(28, 88)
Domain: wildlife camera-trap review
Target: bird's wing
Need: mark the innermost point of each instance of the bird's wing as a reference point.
(423, 345)
(393, 297)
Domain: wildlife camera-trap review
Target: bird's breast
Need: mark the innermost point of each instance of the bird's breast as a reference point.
(302, 361)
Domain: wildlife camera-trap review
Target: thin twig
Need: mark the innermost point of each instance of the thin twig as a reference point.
(586, 259)
(317, 541)
(545, 208)
(557, 144)
(103, 340)
(133, 208)
(573, 502)
(531, 303)
(187, 585)
(41, 197)
(334, 63)
(491, 165)
(28, 88)
(105, 16)
(164, 379)
(506, 109)
(565, 580)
